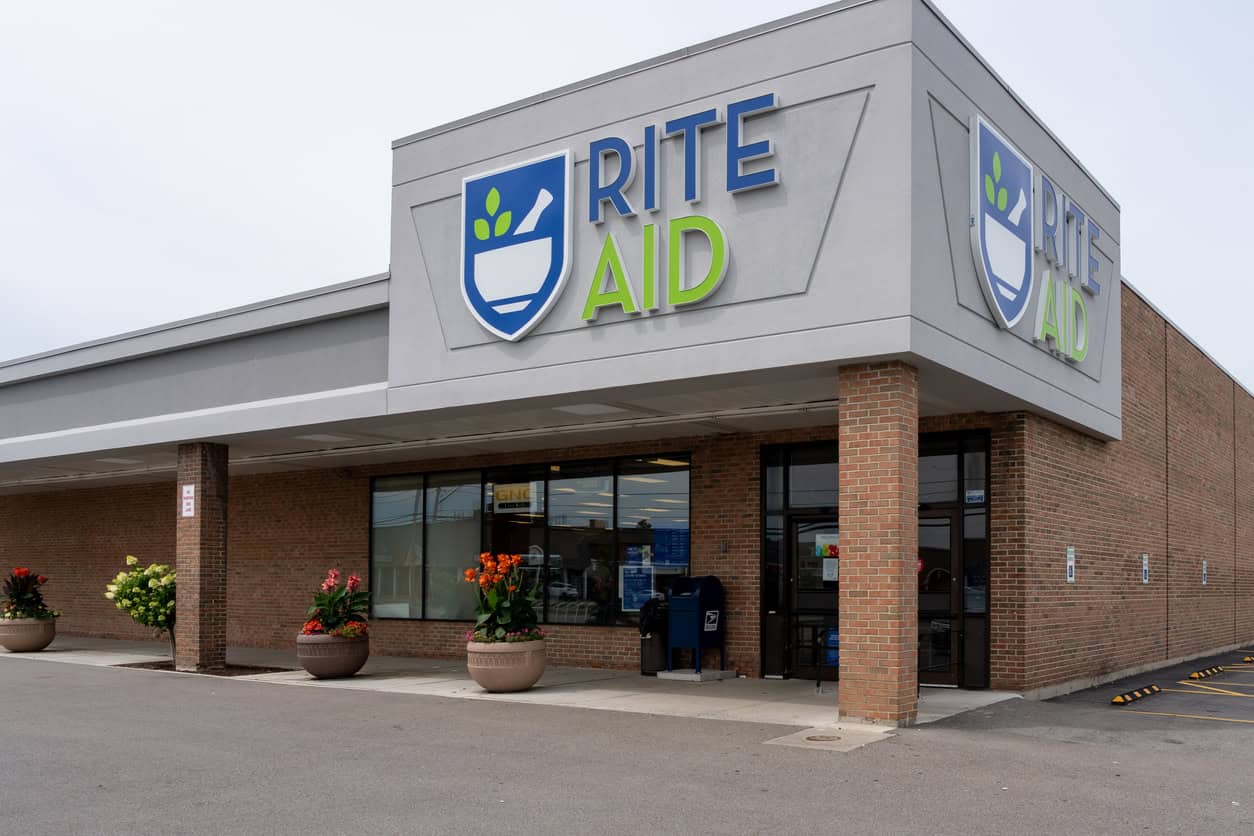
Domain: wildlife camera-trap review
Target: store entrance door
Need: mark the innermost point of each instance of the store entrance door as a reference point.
(807, 598)
(940, 597)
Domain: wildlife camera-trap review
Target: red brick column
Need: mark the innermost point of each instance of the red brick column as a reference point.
(200, 557)
(879, 520)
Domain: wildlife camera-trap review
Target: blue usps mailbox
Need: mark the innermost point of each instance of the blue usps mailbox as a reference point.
(697, 618)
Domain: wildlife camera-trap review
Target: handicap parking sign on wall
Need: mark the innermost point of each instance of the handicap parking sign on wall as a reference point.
(516, 243)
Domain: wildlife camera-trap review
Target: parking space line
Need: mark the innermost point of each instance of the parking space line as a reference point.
(1201, 693)
(1187, 716)
(1204, 688)
(1231, 684)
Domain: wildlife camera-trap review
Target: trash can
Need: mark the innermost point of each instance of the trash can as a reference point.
(653, 623)
(697, 619)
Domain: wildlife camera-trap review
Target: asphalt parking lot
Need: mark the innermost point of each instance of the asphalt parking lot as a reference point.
(1214, 690)
(112, 750)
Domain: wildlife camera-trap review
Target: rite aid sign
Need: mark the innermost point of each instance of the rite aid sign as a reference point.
(1020, 218)
(517, 222)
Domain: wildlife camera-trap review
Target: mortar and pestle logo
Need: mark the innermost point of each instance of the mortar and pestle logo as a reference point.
(1006, 250)
(1001, 228)
(512, 274)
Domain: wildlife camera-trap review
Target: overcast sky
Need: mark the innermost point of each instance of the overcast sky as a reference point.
(163, 160)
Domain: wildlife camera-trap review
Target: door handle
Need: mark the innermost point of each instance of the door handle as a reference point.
(771, 612)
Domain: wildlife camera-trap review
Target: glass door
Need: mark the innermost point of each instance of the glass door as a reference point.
(940, 597)
(815, 561)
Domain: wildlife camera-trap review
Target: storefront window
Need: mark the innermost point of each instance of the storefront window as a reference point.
(513, 513)
(974, 479)
(653, 528)
(938, 478)
(813, 477)
(975, 561)
(599, 538)
(396, 547)
(584, 578)
(773, 479)
(452, 529)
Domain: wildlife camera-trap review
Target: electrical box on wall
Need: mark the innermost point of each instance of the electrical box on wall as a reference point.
(1144, 568)
(1070, 564)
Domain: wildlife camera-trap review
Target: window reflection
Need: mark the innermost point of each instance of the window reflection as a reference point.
(396, 547)
(938, 478)
(975, 561)
(453, 524)
(582, 581)
(813, 477)
(513, 507)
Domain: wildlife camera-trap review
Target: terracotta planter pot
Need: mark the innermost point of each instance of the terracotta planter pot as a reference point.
(331, 657)
(26, 635)
(502, 667)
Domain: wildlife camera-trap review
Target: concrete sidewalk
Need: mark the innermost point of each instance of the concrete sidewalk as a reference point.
(793, 702)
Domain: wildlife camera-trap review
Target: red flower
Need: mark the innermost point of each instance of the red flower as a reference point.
(21, 572)
(42, 579)
(354, 582)
(311, 627)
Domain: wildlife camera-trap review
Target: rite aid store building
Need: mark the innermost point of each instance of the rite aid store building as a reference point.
(820, 308)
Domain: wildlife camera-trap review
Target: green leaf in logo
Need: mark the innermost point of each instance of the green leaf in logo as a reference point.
(502, 222)
(988, 189)
(1001, 199)
(494, 200)
(997, 166)
(481, 229)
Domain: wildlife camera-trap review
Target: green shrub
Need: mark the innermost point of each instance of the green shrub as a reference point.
(146, 595)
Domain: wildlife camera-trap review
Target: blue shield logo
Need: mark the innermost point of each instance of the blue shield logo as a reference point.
(1001, 232)
(516, 243)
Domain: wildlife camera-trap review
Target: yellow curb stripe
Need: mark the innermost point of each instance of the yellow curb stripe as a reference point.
(1188, 716)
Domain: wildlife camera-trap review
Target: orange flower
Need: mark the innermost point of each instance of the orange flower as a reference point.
(485, 557)
(513, 587)
(470, 575)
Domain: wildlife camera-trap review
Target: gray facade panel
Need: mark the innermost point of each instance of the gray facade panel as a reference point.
(821, 250)
(314, 357)
(950, 88)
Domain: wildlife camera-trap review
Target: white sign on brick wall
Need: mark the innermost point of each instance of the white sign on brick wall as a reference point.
(189, 500)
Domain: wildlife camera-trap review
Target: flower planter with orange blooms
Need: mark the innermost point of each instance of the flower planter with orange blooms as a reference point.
(505, 651)
(335, 641)
(27, 624)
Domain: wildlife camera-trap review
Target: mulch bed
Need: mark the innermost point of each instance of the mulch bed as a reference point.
(229, 670)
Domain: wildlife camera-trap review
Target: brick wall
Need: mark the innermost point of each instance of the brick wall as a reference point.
(1167, 489)
(80, 540)
(1178, 486)
(879, 504)
(200, 547)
